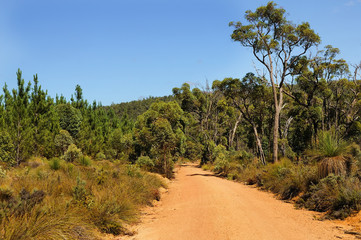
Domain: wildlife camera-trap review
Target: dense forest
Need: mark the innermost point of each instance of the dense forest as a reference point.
(135, 108)
(294, 130)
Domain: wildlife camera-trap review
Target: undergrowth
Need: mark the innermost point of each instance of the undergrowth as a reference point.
(57, 199)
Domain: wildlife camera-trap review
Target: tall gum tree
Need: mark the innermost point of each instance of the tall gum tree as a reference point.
(276, 43)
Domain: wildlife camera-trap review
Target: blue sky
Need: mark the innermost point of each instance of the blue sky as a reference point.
(129, 49)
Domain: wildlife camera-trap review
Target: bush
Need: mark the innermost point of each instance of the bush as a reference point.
(282, 178)
(221, 162)
(80, 194)
(221, 165)
(85, 160)
(100, 156)
(242, 156)
(145, 162)
(63, 140)
(193, 150)
(72, 154)
(336, 195)
(55, 163)
(159, 166)
(133, 170)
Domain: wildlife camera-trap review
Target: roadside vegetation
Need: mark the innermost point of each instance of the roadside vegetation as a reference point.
(58, 199)
(70, 168)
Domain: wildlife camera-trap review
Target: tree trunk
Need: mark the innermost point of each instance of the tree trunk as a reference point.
(285, 135)
(259, 145)
(233, 133)
(278, 101)
(276, 124)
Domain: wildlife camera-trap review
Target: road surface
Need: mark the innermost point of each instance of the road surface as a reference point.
(201, 206)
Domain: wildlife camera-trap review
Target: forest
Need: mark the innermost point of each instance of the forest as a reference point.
(71, 168)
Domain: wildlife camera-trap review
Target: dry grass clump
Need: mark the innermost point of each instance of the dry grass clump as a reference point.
(332, 165)
(43, 223)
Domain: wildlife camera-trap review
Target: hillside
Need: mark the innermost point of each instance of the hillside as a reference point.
(137, 107)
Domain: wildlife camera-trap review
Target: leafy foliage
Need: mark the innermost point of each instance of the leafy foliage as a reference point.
(73, 153)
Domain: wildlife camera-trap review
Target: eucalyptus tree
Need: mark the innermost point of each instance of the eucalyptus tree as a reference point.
(202, 109)
(249, 96)
(325, 89)
(159, 133)
(276, 43)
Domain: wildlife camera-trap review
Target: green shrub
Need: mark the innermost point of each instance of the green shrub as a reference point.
(299, 180)
(80, 194)
(282, 178)
(145, 162)
(159, 166)
(274, 173)
(221, 160)
(242, 156)
(133, 170)
(55, 163)
(207, 166)
(84, 160)
(72, 154)
(221, 165)
(220, 151)
(193, 150)
(100, 156)
(63, 140)
(337, 195)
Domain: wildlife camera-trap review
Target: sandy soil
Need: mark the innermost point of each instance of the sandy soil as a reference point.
(201, 206)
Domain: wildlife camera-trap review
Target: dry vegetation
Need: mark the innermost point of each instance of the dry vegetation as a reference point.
(56, 199)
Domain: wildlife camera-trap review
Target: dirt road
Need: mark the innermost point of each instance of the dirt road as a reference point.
(201, 206)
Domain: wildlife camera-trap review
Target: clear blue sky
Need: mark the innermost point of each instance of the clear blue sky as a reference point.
(123, 50)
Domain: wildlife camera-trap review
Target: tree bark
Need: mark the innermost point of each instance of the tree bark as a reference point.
(284, 136)
(233, 133)
(259, 145)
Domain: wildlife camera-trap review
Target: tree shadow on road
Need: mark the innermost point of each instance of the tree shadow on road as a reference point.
(202, 174)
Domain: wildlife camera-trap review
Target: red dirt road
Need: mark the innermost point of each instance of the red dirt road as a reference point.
(201, 206)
